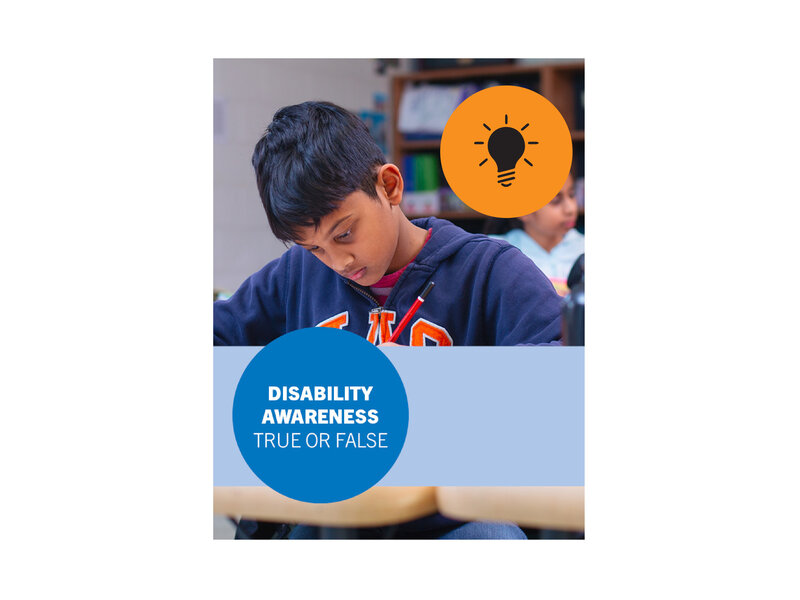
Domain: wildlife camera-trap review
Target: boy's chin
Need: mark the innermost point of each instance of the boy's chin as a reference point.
(368, 281)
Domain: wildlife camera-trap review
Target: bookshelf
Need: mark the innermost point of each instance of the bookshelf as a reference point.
(560, 82)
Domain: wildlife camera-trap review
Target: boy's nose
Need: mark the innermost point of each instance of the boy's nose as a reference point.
(342, 262)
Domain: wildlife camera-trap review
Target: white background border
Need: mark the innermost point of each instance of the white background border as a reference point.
(106, 245)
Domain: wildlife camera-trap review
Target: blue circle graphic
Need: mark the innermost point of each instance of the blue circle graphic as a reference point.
(320, 415)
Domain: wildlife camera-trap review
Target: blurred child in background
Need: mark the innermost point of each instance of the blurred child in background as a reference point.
(547, 236)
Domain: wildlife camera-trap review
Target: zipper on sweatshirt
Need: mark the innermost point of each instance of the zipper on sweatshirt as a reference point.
(366, 294)
(376, 310)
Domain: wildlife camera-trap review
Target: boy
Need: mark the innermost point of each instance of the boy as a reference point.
(358, 264)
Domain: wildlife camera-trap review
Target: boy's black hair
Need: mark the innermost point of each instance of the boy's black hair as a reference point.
(309, 159)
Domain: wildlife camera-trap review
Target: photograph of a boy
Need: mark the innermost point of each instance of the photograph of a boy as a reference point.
(358, 263)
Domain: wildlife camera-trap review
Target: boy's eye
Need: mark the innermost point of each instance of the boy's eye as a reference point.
(343, 236)
(313, 249)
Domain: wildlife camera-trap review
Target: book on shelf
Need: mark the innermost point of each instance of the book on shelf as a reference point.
(421, 177)
(424, 109)
(425, 189)
(449, 202)
(422, 203)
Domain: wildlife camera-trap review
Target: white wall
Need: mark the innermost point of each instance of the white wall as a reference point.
(246, 95)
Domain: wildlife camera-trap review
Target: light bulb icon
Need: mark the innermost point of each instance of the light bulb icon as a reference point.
(506, 146)
(506, 151)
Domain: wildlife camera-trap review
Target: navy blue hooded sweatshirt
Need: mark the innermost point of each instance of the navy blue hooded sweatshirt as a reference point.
(487, 293)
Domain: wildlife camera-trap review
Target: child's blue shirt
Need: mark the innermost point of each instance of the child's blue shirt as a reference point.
(487, 294)
(556, 263)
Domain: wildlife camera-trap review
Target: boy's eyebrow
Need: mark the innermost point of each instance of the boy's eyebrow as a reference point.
(330, 231)
(339, 222)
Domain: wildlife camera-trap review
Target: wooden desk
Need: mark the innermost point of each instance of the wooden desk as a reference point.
(376, 507)
(540, 507)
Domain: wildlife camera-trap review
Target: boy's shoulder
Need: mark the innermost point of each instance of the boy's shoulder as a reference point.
(449, 241)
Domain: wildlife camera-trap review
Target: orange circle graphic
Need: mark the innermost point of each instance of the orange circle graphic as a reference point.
(506, 151)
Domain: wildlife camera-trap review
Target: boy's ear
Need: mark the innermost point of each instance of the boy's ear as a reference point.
(391, 181)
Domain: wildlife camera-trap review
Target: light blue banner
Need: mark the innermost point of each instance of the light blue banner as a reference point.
(478, 416)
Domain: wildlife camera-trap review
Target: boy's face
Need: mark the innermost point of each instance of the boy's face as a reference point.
(358, 240)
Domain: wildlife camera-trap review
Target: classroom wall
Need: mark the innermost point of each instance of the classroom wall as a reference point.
(246, 95)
